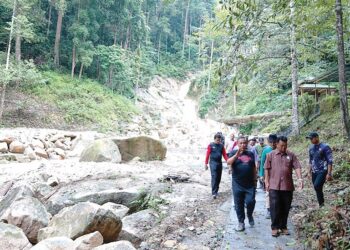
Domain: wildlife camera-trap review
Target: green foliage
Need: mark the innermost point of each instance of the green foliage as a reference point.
(147, 200)
(83, 102)
(307, 106)
(207, 102)
(247, 129)
(329, 104)
(276, 125)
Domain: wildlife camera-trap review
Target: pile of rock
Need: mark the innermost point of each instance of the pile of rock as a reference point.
(49, 146)
(26, 224)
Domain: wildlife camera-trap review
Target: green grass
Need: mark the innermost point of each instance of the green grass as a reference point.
(83, 101)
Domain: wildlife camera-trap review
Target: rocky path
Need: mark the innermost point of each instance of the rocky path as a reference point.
(257, 237)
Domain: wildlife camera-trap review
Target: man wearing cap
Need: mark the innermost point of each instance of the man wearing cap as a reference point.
(279, 167)
(321, 162)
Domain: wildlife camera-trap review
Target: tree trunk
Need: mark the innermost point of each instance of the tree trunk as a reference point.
(110, 77)
(18, 48)
(159, 40)
(235, 99)
(210, 63)
(81, 70)
(73, 61)
(58, 38)
(49, 20)
(185, 28)
(294, 64)
(3, 85)
(341, 68)
(126, 45)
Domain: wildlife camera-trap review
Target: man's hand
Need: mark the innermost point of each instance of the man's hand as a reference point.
(329, 177)
(300, 184)
(206, 167)
(309, 175)
(267, 186)
(239, 152)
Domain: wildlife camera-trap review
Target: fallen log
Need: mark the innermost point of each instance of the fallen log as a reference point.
(238, 120)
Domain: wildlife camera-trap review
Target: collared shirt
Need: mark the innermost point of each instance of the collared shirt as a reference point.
(280, 166)
(320, 157)
(215, 152)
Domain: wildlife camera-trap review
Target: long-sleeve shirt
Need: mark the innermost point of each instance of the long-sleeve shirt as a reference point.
(266, 150)
(320, 157)
(215, 152)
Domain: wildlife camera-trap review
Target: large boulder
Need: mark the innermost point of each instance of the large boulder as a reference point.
(14, 194)
(29, 215)
(99, 192)
(119, 245)
(89, 241)
(3, 147)
(81, 219)
(12, 237)
(17, 147)
(146, 148)
(102, 150)
(55, 243)
(134, 225)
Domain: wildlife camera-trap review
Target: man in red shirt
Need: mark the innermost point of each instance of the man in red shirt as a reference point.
(215, 152)
(279, 167)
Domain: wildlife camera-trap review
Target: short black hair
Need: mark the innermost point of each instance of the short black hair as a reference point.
(217, 135)
(272, 138)
(282, 138)
(242, 137)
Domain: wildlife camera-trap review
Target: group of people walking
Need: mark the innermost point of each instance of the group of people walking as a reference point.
(250, 162)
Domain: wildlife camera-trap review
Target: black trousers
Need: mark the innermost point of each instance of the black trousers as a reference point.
(216, 172)
(280, 203)
(241, 196)
(318, 180)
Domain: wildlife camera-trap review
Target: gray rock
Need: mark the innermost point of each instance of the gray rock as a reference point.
(103, 150)
(55, 243)
(118, 209)
(134, 226)
(14, 194)
(99, 192)
(89, 241)
(119, 245)
(3, 147)
(12, 237)
(29, 215)
(142, 146)
(81, 219)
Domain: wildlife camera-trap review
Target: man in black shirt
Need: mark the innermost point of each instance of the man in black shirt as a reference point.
(243, 172)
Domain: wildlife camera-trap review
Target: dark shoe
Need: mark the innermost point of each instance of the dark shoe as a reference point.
(251, 222)
(214, 196)
(240, 227)
(285, 232)
(274, 233)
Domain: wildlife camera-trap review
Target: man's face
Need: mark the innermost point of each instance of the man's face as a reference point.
(261, 143)
(252, 143)
(274, 145)
(232, 137)
(315, 140)
(242, 144)
(217, 140)
(282, 146)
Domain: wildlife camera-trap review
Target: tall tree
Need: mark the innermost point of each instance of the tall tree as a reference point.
(294, 65)
(341, 68)
(61, 8)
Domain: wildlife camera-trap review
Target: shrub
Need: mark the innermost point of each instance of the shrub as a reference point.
(307, 106)
(207, 102)
(329, 103)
